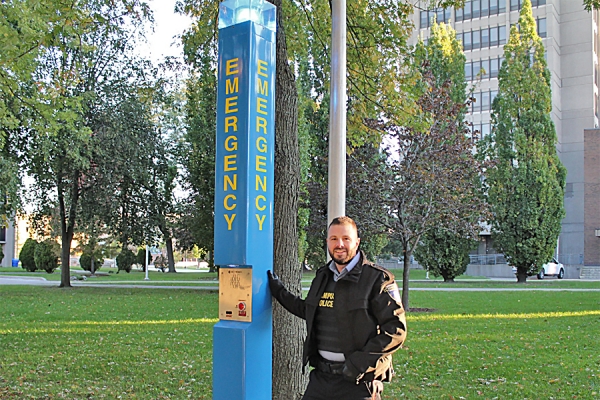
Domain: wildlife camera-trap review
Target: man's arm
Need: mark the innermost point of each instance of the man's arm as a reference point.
(292, 303)
(387, 308)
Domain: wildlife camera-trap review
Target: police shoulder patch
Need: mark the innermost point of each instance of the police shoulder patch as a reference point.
(393, 291)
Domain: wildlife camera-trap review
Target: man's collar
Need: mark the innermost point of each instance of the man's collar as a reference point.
(339, 275)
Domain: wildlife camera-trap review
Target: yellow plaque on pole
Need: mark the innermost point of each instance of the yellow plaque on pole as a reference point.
(235, 294)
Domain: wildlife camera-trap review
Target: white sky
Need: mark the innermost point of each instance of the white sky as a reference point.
(167, 25)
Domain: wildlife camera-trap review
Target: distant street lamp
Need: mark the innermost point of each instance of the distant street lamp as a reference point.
(146, 278)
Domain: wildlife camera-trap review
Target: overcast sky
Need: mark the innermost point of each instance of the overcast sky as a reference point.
(167, 25)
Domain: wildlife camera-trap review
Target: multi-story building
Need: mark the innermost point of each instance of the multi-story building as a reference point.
(570, 36)
(7, 242)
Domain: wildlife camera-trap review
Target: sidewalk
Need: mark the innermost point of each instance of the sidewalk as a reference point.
(40, 281)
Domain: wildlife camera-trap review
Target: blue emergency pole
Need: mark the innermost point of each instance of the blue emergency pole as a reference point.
(245, 144)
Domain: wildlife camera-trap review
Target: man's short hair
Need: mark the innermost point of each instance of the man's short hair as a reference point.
(344, 221)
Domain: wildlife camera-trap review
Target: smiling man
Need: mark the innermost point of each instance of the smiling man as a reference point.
(354, 320)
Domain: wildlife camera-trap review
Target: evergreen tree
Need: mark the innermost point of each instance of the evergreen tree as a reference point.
(46, 255)
(444, 253)
(27, 254)
(527, 180)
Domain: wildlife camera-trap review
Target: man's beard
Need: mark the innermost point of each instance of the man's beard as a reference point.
(342, 261)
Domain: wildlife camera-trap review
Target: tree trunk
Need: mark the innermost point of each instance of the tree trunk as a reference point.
(405, 278)
(65, 258)
(67, 227)
(288, 331)
(521, 276)
(170, 257)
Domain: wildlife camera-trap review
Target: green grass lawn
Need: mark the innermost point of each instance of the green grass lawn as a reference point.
(151, 344)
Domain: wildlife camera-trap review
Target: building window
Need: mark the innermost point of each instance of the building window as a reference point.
(494, 67)
(485, 69)
(485, 38)
(469, 71)
(3, 235)
(493, 36)
(475, 9)
(493, 7)
(458, 14)
(467, 40)
(502, 34)
(476, 40)
(485, 8)
(488, 68)
(493, 94)
(476, 69)
(541, 27)
(485, 130)
(439, 15)
(485, 101)
(467, 10)
(482, 101)
(477, 102)
(424, 21)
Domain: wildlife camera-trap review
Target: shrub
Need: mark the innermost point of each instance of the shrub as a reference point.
(125, 260)
(27, 255)
(141, 258)
(161, 263)
(86, 260)
(46, 255)
(1, 254)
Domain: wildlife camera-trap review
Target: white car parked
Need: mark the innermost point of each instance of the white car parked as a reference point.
(553, 268)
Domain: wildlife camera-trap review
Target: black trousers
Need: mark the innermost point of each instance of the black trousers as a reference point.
(325, 386)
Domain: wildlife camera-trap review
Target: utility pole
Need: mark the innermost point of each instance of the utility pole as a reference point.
(336, 187)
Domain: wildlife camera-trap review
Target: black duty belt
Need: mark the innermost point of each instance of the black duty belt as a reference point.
(330, 367)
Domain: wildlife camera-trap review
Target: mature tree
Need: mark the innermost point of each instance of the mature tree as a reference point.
(199, 156)
(432, 177)
(56, 135)
(526, 183)
(129, 149)
(27, 29)
(164, 207)
(444, 253)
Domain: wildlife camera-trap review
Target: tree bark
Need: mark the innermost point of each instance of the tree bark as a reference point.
(521, 276)
(288, 331)
(67, 227)
(405, 278)
(170, 257)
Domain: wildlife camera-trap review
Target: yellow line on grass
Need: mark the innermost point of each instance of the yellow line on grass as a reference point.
(561, 314)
